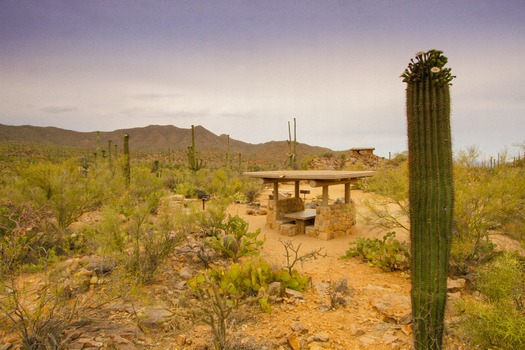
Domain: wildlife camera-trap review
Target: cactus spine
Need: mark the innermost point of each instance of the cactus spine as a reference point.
(127, 168)
(431, 192)
(195, 163)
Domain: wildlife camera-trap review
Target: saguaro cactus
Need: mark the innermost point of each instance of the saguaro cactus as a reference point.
(431, 192)
(292, 145)
(194, 163)
(127, 167)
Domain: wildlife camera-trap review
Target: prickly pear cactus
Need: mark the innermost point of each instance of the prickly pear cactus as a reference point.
(431, 192)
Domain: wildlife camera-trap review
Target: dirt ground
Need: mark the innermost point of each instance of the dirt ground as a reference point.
(373, 314)
(359, 325)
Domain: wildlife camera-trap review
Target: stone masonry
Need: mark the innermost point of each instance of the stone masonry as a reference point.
(333, 221)
(286, 205)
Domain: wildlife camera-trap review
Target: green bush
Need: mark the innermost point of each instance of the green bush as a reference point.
(65, 189)
(493, 326)
(389, 254)
(26, 237)
(497, 320)
(502, 279)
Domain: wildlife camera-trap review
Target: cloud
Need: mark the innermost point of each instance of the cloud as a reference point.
(155, 96)
(58, 109)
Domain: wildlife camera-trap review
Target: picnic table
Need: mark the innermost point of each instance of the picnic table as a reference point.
(301, 218)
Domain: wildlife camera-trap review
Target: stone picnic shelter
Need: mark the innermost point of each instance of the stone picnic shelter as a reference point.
(326, 221)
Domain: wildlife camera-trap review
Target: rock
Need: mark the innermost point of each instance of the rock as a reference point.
(181, 340)
(367, 341)
(293, 341)
(262, 212)
(299, 328)
(274, 288)
(177, 198)
(455, 285)
(99, 264)
(322, 337)
(407, 329)
(293, 293)
(390, 338)
(186, 273)
(155, 318)
(356, 332)
(454, 296)
(316, 346)
(406, 319)
(251, 212)
(392, 307)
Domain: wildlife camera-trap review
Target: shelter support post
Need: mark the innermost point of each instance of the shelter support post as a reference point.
(347, 193)
(296, 189)
(325, 196)
(276, 198)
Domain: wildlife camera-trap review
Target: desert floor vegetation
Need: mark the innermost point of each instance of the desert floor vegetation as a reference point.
(90, 261)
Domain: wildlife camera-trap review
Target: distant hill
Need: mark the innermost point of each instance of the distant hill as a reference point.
(153, 138)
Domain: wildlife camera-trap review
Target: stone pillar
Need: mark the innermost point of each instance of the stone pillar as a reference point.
(276, 198)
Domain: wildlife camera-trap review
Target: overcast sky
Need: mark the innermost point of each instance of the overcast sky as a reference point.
(246, 68)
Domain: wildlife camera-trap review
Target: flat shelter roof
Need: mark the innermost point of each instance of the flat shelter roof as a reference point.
(317, 178)
(309, 175)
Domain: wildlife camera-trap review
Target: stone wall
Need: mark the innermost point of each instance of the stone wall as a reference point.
(333, 221)
(286, 205)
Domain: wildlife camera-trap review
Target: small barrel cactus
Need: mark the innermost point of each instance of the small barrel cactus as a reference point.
(229, 242)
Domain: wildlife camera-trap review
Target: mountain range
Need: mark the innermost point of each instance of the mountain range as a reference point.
(152, 138)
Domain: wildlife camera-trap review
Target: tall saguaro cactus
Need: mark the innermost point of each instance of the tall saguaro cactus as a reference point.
(127, 166)
(194, 163)
(431, 192)
(292, 145)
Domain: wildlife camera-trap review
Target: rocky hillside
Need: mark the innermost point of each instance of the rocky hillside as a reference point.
(153, 138)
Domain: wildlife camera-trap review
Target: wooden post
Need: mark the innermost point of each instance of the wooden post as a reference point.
(347, 193)
(325, 196)
(296, 189)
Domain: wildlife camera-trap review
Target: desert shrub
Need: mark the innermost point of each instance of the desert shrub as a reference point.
(497, 319)
(389, 209)
(215, 310)
(251, 191)
(149, 243)
(292, 255)
(486, 200)
(502, 279)
(389, 254)
(64, 189)
(145, 187)
(40, 314)
(212, 220)
(187, 189)
(26, 237)
(493, 326)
